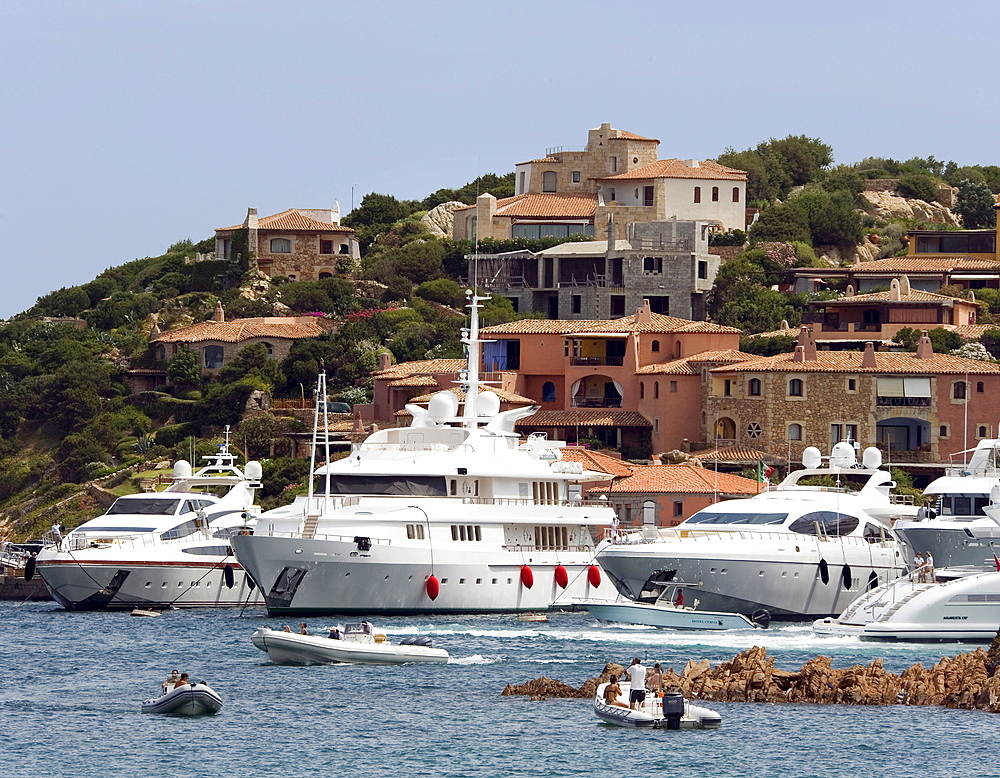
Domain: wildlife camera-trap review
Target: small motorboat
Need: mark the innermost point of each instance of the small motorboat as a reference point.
(357, 644)
(671, 711)
(146, 612)
(533, 617)
(191, 699)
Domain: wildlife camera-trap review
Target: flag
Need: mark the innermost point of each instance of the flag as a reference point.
(764, 471)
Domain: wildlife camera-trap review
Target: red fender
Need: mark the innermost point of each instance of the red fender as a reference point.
(527, 577)
(562, 577)
(433, 587)
(594, 575)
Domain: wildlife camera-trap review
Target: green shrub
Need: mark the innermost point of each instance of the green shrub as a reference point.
(917, 186)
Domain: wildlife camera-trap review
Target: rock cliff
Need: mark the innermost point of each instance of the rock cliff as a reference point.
(891, 206)
(440, 220)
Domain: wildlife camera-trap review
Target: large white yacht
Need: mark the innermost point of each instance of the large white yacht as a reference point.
(797, 550)
(160, 549)
(963, 532)
(451, 514)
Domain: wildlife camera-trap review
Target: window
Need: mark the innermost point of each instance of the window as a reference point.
(958, 390)
(281, 246)
(981, 431)
(270, 349)
(520, 183)
(326, 247)
(753, 388)
(697, 194)
(980, 387)
(702, 268)
(656, 390)
(654, 346)
(652, 264)
(613, 163)
(795, 387)
(647, 196)
(795, 432)
(325, 274)
(642, 390)
(345, 249)
(852, 384)
(943, 431)
(715, 194)
(736, 194)
(617, 305)
(754, 430)
(727, 387)
(214, 356)
(577, 303)
(161, 352)
(548, 181)
(659, 304)
(548, 392)
(678, 508)
(576, 176)
(673, 386)
(612, 195)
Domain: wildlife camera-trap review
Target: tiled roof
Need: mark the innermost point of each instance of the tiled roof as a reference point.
(850, 362)
(657, 323)
(683, 367)
(595, 460)
(413, 381)
(543, 160)
(503, 394)
(917, 264)
(913, 296)
(733, 454)
(421, 367)
(774, 333)
(552, 206)
(601, 417)
(239, 330)
(681, 479)
(974, 331)
(626, 135)
(292, 220)
(674, 168)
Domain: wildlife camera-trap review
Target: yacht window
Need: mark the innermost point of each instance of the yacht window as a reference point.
(208, 550)
(874, 533)
(227, 532)
(411, 531)
(414, 485)
(964, 504)
(182, 530)
(829, 523)
(717, 517)
(144, 507)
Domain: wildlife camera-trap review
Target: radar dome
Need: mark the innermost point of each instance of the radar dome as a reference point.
(182, 468)
(488, 404)
(872, 458)
(842, 455)
(811, 458)
(253, 470)
(442, 406)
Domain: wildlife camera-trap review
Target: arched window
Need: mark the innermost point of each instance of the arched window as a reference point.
(980, 387)
(943, 431)
(281, 246)
(549, 181)
(795, 387)
(642, 390)
(345, 249)
(656, 390)
(715, 194)
(214, 356)
(325, 274)
(736, 194)
(959, 390)
(548, 392)
(795, 432)
(753, 388)
(161, 352)
(697, 194)
(981, 431)
(655, 346)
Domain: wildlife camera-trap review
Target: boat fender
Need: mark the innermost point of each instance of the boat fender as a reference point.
(761, 617)
(845, 576)
(824, 571)
(527, 577)
(594, 576)
(562, 577)
(228, 576)
(251, 583)
(29, 568)
(433, 587)
(872, 580)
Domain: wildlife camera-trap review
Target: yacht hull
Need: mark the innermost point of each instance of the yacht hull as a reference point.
(952, 544)
(301, 576)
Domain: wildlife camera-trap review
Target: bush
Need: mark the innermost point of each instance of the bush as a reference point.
(917, 186)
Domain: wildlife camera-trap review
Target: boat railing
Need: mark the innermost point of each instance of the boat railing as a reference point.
(81, 541)
(533, 502)
(11, 556)
(703, 535)
(538, 547)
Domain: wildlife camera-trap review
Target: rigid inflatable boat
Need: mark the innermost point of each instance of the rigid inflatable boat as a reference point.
(357, 645)
(188, 700)
(671, 711)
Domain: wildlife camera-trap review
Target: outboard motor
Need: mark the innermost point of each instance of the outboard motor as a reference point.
(761, 617)
(673, 709)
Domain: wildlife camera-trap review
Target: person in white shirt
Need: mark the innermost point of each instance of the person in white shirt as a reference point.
(637, 679)
(929, 567)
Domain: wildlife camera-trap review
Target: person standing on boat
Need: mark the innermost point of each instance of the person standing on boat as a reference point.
(637, 678)
(614, 529)
(654, 679)
(929, 568)
(918, 567)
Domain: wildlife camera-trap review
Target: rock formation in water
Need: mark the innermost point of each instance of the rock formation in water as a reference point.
(969, 680)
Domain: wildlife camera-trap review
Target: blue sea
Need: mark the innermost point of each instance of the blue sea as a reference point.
(72, 684)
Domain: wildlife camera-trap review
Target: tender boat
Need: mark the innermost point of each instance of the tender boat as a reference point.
(188, 700)
(797, 550)
(671, 711)
(357, 645)
(453, 514)
(160, 549)
(965, 526)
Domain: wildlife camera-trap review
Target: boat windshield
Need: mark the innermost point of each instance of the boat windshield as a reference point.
(728, 517)
(182, 530)
(964, 504)
(150, 506)
(414, 485)
(824, 523)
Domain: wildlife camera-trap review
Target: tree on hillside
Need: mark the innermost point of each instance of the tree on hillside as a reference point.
(252, 361)
(775, 166)
(813, 215)
(917, 186)
(975, 204)
(183, 370)
(376, 209)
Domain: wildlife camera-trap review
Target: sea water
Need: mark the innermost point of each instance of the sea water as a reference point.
(72, 684)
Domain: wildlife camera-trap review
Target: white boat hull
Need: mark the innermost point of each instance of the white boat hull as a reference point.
(289, 648)
(665, 616)
(301, 576)
(188, 700)
(650, 714)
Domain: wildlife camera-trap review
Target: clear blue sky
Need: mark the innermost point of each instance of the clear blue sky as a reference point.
(129, 125)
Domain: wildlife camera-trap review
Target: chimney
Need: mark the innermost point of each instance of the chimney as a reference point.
(925, 350)
(251, 222)
(850, 291)
(335, 213)
(799, 355)
(611, 234)
(806, 342)
(384, 360)
(868, 358)
(219, 315)
(894, 292)
(643, 314)
(904, 286)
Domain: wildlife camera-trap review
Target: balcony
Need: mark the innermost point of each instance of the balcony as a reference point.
(612, 361)
(597, 402)
(904, 402)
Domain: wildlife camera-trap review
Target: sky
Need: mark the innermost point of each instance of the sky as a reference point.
(128, 125)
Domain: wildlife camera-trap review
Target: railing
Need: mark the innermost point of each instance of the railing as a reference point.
(13, 557)
(834, 327)
(904, 402)
(610, 361)
(867, 327)
(702, 535)
(597, 402)
(560, 149)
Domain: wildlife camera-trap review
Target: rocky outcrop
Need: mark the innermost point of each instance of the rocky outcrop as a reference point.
(440, 220)
(891, 206)
(968, 681)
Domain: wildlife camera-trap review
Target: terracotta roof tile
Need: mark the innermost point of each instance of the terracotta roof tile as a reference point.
(603, 417)
(413, 381)
(680, 479)
(850, 362)
(974, 331)
(734, 454)
(626, 135)
(551, 206)
(595, 460)
(674, 168)
(657, 323)
(683, 367)
(421, 367)
(913, 296)
(916, 264)
(239, 330)
(292, 220)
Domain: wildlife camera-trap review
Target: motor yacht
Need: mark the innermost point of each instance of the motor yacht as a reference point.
(804, 548)
(452, 514)
(160, 549)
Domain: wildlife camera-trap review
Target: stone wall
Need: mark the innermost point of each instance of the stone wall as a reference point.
(945, 194)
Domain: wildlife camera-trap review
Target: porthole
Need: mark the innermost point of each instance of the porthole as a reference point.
(148, 584)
